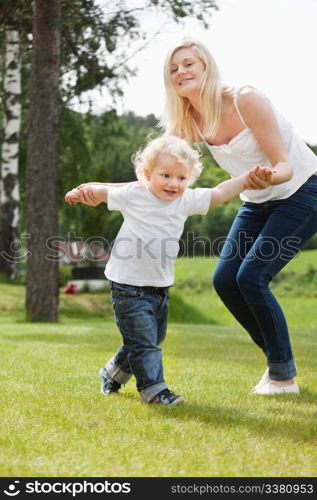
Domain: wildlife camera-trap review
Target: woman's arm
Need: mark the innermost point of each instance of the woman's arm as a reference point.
(259, 116)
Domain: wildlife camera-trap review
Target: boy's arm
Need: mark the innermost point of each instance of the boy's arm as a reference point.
(88, 194)
(85, 192)
(108, 184)
(257, 176)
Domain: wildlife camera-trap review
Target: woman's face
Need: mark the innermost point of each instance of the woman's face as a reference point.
(186, 72)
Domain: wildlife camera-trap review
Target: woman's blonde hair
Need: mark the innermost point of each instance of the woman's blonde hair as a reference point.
(145, 157)
(178, 119)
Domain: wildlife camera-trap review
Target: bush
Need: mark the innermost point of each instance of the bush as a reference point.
(64, 274)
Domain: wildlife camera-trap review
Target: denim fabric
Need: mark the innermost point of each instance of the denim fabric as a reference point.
(141, 315)
(262, 240)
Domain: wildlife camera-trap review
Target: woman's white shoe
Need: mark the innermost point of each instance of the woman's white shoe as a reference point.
(277, 389)
(264, 380)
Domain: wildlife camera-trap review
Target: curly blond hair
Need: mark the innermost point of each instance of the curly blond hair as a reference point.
(145, 157)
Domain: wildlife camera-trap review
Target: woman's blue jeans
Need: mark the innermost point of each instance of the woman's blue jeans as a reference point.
(263, 239)
(141, 315)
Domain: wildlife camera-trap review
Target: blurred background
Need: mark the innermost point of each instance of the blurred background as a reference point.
(82, 89)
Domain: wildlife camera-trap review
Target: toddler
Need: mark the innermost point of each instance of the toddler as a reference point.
(141, 266)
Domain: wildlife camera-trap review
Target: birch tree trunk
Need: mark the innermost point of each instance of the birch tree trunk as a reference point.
(41, 191)
(9, 181)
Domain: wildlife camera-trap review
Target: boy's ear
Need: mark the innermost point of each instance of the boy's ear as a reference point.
(147, 174)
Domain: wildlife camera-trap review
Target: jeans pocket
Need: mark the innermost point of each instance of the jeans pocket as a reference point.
(124, 293)
(309, 188)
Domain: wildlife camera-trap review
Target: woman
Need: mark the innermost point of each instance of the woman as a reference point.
(242, 129)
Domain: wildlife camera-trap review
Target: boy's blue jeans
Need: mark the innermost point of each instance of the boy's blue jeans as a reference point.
(141, 315)
(263, 239)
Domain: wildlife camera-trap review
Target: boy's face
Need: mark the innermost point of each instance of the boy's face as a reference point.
(168, 178)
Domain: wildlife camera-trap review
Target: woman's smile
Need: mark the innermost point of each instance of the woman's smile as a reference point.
(186, 71)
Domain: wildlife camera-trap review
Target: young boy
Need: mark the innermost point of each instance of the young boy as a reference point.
(141, 266)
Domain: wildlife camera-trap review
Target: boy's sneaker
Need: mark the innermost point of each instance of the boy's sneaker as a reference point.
(168, 398)
(108, 385)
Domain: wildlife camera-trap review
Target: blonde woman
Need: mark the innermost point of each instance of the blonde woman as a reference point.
(242, 129)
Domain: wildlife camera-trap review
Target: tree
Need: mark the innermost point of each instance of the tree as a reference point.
(96, 43)
(41, 198)
(9, 185)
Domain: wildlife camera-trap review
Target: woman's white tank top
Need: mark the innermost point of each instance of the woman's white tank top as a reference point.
(243, 152)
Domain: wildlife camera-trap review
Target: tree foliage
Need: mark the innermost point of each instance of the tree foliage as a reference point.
(98, 38)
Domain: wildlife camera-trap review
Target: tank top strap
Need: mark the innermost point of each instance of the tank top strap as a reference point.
(235, 103)
(198, 131)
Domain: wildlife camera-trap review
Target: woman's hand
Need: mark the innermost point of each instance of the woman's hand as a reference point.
(87, 194)
(259, 178)
(71, 197)
(83, 194)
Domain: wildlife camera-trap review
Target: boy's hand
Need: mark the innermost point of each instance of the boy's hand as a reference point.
(83, 194)
(259, 178)
(87, 196)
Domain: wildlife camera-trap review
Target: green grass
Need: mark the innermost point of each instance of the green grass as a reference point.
(192, 298)
(55, 422)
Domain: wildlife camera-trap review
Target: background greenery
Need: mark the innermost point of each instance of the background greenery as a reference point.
(99, 148)
(193, 299)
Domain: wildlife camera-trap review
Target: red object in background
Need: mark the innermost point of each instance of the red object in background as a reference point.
(71, 288)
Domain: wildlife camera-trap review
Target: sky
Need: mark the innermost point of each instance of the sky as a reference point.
(269, 44)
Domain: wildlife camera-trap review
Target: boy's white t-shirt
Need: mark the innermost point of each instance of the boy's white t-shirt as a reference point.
(147, 245)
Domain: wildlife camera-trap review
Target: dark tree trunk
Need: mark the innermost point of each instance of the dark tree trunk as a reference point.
(41, 195)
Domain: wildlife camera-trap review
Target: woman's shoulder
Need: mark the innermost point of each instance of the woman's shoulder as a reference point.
(252, 101)
(248, 96)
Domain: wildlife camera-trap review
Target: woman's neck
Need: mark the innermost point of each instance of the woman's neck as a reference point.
(195, 104)
(197, 113)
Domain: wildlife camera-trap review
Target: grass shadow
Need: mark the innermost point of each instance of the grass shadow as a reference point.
(307, 396)
(224, 417)
(182, 312)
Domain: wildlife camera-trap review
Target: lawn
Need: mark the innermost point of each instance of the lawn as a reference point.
(56, 423)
